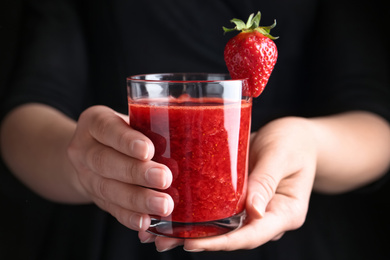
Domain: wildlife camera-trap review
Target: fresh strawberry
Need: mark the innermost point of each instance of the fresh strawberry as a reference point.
(251, 54)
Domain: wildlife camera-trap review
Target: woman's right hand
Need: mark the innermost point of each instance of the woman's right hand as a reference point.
(115, 170)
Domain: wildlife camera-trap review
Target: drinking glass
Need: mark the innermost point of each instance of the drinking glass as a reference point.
(200, 126)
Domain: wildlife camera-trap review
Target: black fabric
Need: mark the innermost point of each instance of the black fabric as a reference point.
(333, 57)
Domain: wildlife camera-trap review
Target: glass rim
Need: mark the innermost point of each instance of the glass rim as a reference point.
(138, 77)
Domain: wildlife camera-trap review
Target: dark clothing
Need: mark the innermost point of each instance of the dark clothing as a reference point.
(74, 54)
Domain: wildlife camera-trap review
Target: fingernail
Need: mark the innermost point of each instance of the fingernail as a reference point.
(147, 240)
(140, 149)
(156, 178)
(258, 203)
(166, 249)
(136, 221)
(158, 205)
(194, 250)
(146, 237)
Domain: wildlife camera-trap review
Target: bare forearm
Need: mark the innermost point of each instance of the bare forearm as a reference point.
(353, 150)
(34, 140)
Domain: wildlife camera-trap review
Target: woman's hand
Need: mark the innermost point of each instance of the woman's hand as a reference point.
(282, 169)
(288, 158)
(114, 167)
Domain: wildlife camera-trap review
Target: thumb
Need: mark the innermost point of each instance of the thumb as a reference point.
(261, 189)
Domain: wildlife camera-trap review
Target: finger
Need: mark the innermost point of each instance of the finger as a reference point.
(112, 164)
(261, 188)
(131, 197)
(286, 199)
(270, 167)
(254, 233)
(164, 244)
(133, 220)
(146, 237)
(283, 213)
(107, 127)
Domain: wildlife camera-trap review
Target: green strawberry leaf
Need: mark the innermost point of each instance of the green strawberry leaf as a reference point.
(253, 24)
(265, 30)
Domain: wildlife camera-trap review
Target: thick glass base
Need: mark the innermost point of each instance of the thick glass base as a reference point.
(197, 229)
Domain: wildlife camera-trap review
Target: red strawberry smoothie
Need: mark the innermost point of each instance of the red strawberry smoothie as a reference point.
(205, 145)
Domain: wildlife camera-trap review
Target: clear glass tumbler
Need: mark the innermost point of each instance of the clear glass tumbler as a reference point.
(200, 127)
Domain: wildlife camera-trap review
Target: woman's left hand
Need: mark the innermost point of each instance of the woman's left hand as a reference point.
(282, 170)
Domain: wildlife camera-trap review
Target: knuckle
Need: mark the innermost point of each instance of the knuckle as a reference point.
(102, 124)
(131, 173)
(98, 160)
(96, 120)
(89, 115)
(268, 183)
(132, 200)
(123, 140)
(74, 149)
(121, 215)
(102, 188)
(71, 152)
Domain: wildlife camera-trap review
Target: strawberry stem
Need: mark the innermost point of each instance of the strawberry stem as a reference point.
(253, 24)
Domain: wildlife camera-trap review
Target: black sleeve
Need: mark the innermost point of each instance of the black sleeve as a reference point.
(351, 57)
(52, 61)
(349, 63)
(10, 33)
(42, 59)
